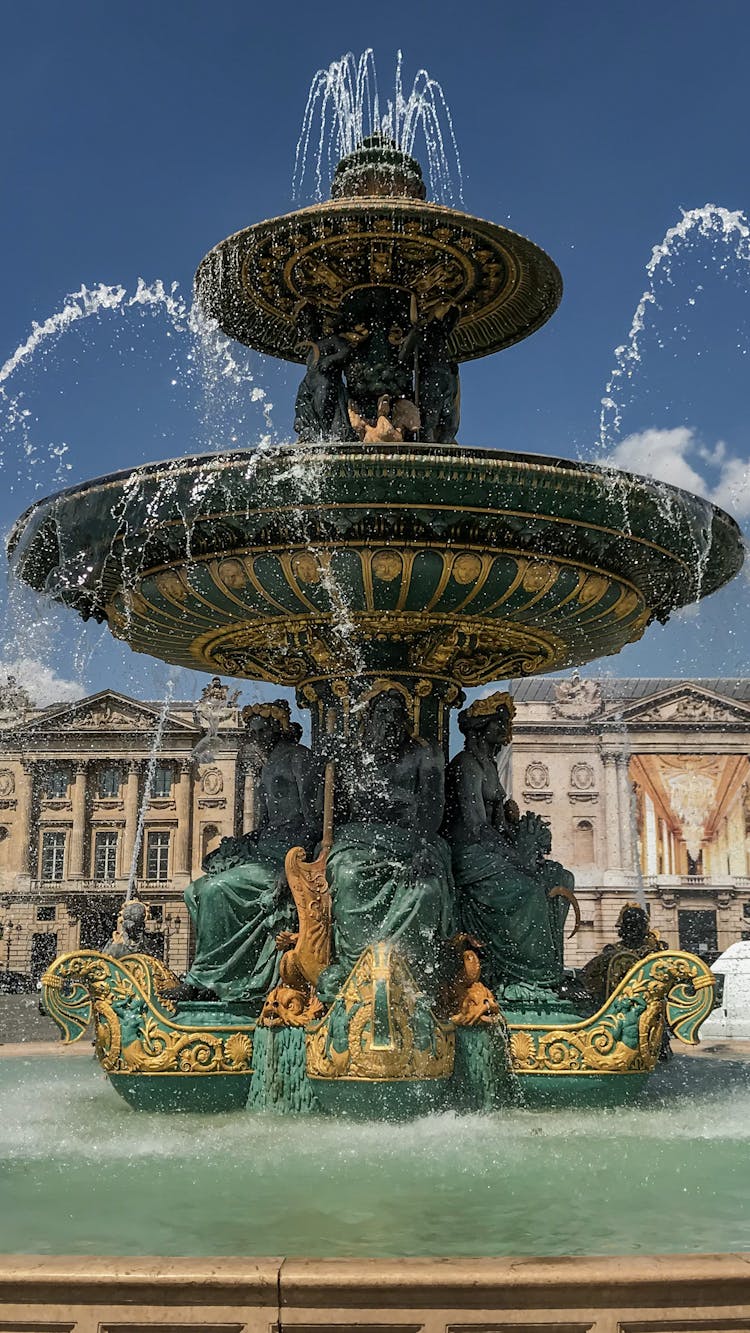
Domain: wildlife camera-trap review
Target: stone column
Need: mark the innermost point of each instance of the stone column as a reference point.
(627, 814)
(182, 806)
(24, 799)
(131, 816)
(250, 773)
(612, 813)
(78, 831)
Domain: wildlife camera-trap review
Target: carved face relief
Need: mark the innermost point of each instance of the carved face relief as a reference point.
(7, 782)
(537, 776)
(582, 776)
(213, 782)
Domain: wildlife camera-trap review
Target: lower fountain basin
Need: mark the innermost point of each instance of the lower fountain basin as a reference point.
(83, 1175)
(305, 563)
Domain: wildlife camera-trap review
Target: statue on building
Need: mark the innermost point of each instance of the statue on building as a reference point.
(215, 708)
(509, 895)
(388, 869)
(15, 701)
(242, 901)
(578, 698)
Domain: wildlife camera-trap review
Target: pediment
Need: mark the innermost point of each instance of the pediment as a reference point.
(106, 711)
(686, 705)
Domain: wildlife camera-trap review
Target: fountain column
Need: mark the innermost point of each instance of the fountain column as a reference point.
(131, 816)
(78, 831)
(182, 806)
(25, 796)
(612, 813)
(627, 819)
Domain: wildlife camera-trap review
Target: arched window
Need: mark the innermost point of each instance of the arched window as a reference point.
(583, 842)
(210, 839)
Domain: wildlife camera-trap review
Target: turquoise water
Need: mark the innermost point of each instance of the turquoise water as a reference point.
(82, 1174)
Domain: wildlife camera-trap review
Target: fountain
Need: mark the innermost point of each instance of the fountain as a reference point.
(388, 938)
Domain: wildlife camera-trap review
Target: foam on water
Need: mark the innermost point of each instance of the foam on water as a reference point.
(83, 1174)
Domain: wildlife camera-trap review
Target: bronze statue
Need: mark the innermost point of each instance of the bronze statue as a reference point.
(388, 869)
(242, 901)
(437, 388)
(130, 932)
(506, 892)
(320, 411)
(604, 972)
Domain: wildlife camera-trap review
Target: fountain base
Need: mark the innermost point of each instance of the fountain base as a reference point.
(380, 1051)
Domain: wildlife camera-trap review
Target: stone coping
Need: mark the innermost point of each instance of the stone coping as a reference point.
(656, 1294)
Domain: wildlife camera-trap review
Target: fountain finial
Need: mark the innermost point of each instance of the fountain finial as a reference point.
(378, 169)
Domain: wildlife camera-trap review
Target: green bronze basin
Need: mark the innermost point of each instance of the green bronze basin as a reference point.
(306, 563)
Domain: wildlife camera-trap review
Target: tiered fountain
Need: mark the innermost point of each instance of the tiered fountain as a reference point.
(379, 568)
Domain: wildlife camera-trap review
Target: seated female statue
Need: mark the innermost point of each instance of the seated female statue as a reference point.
(389, 871)
(503, 879)
(242, 902)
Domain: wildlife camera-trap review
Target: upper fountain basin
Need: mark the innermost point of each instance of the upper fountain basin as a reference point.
(299, 563)
(504, 286)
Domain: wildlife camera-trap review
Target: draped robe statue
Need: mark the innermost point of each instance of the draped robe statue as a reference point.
(388, 869)
(242, 901)
(504, 881)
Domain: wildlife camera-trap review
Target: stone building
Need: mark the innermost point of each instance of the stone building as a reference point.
(645, 783)
(646, 787)
(72, 783)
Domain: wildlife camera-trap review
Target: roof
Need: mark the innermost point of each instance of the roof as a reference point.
(541, 689)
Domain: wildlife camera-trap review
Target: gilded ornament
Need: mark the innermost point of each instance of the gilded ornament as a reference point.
(380, 1027)
(624, 1036)
(466, 568)
(134, 1027)
(172, 586)
(306, 568)
(234, 574)
(593, 589)
(539, 574)
(387, 565)
(491, 704)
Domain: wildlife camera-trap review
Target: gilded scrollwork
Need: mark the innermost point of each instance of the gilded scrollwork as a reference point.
(134, 1028)
(625, 1036)
(381, 1027)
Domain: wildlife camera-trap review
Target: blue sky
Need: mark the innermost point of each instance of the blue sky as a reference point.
(136, 135)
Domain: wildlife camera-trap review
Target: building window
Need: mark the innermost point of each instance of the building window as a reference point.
(56, 783)
(46, 913)
(53, 855)
(162, 782)
(157, 856)
(105, 855)
(109, 782)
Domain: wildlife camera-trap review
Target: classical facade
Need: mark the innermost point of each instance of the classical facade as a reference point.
(646, 787)
(645, 784)
(74, 825)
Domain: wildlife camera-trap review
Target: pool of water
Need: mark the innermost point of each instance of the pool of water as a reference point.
(80, 1173)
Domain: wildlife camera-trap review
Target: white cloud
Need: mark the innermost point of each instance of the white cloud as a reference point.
(41, 682)
(675, 455)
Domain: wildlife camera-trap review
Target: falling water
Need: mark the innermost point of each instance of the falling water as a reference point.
(150, 771)
(711, 222)
(344, 107)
